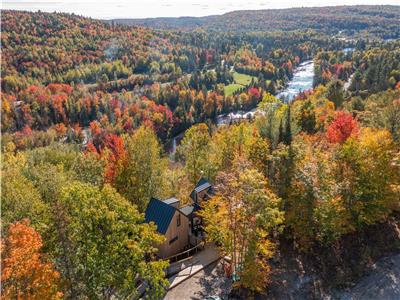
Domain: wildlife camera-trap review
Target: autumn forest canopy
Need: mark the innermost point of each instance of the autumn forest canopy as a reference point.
(362, 19)
(98, 117)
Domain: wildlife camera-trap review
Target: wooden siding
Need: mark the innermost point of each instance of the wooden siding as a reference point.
(182, 232)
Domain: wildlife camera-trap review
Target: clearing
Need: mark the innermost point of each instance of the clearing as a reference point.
(240, 80)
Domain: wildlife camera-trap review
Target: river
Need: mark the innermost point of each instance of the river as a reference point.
(302, 81)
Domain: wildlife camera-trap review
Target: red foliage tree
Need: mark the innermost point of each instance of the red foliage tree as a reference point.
(254, 93)
(115, 155)
(341, 128)
(111, 149)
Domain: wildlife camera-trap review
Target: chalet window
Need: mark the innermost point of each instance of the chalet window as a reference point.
(178, 220)
(173, 240)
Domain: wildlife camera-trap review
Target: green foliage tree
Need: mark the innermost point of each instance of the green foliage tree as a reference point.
(194, 151)
(20, 198)
(287, 133)
(306, 119)
(392, 119)
(108, 245)
(272, 113)
(142, 175)
(335, 92)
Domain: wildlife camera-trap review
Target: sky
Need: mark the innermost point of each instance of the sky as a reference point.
(111, 9)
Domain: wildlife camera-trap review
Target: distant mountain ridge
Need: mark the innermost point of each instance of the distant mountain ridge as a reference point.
(328, 18)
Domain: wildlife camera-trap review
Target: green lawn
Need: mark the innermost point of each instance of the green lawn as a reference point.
(231, 88)
(239, 81)
(242, 79)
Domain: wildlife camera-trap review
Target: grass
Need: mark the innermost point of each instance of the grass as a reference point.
(239, 81)
(242, 79)
(231, 88)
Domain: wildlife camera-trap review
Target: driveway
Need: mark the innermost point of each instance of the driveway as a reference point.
(207, 282)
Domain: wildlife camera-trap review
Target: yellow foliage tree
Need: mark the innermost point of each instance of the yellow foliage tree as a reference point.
(240, 218)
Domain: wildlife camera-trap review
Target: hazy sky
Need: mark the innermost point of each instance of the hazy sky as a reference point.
(108, 9)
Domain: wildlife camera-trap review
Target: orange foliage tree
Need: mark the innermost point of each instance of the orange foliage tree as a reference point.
(26, 274)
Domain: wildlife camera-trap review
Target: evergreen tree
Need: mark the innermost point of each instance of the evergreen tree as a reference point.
(287, 134)
(334, 92)
(280, 133)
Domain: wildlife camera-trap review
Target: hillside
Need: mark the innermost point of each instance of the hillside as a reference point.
(382, 20)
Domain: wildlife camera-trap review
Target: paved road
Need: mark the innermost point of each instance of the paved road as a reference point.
(208, 282)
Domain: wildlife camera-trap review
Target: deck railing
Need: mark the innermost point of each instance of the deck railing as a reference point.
(187, 253)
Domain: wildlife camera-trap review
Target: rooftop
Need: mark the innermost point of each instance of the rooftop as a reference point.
(202, 185)
(170, 201)
(187, 210)
(160, 213)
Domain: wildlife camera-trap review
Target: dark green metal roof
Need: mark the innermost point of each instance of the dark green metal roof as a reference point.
(203, 184)
(160, 213)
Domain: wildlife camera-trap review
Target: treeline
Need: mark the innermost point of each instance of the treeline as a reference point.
(377, 69)
(42, 48)
(169, 109)
(382, 21)
(113, 73)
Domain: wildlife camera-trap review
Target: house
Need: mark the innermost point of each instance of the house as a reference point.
(202, 191)
(181, 225)
(195, 222)
(171, 223)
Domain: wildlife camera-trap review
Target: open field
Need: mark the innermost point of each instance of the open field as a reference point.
(231, 88)
(242, 79)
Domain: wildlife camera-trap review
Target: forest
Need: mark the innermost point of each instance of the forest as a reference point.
(365, 20)
(89, 107)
